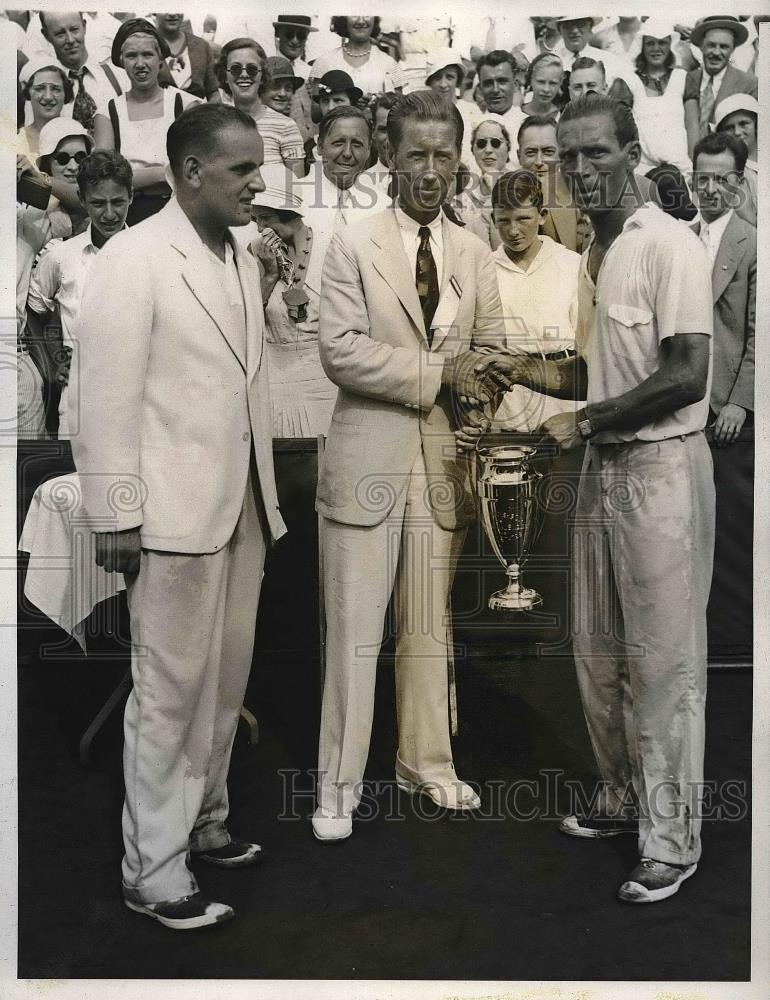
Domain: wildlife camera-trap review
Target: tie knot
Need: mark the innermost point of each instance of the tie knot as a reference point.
(77, 74)
(424, 233)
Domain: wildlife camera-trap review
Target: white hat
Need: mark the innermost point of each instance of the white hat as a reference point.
(281, 190)
(659, 27)
(578, 17)
(56, 131)
(733, 103)
(36, 63)
(440, 59)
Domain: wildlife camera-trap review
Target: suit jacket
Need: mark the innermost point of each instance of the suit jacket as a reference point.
(164, 404)
(203, 80)
(391, 402)
(734, 291)
(735, 81)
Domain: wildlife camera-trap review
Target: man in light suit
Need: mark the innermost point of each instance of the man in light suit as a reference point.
(171, 438)
(406, 295)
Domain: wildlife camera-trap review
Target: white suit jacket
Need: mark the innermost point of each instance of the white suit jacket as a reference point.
(373, 345)
(163, 405)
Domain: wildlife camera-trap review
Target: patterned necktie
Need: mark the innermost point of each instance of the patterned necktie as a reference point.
(426, 277)
(707, 102)
(85, 106)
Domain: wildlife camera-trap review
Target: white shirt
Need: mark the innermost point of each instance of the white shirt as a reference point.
(711, 234)
(410, 237)
(96, 83)
(375, 75)
(654, 283)
(613, 65)
(716, 81)
(540, 307)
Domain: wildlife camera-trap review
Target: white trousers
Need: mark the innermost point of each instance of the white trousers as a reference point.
(411, 556)
(192, 635)
(642, 560)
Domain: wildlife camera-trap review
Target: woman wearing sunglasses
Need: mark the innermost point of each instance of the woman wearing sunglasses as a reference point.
(242, 72)
(491, 149)
(47, 88)
(135, 123)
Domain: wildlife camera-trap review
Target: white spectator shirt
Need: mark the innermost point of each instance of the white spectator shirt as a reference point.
(711, 234)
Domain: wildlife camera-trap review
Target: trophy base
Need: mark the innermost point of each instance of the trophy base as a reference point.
(515, 599)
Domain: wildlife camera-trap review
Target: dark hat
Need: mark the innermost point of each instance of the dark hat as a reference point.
(136, 26)
(336, 81)
(294, 21)
(279, 68)
(724, 21)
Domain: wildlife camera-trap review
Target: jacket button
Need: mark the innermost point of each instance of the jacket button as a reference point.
(246, 436)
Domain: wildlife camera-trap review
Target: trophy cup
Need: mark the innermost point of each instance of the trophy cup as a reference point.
(512, 518)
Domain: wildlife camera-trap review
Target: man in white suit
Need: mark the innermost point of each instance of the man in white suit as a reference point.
(174, 453)
(405, 297)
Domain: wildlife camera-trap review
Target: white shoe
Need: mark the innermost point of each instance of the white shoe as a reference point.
(448, 794)
(652, 881)
(329, 825)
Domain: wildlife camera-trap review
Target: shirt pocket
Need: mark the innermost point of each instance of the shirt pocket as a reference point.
(632, 333)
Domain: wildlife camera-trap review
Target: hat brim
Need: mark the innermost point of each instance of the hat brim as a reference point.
(739, 31)
(296, 81)
(355, 92)
(438, 69)
(293, 24)
(577, 17)
(75, 135)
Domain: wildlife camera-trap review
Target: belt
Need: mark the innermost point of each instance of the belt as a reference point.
(567, 352)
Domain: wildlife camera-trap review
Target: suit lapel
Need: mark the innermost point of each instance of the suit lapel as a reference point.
(391, 264)
(728, 257)
(248, 271)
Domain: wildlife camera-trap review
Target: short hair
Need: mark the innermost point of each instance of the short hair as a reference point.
(105, 165)
(220, 66)
(534, 121)
(423, 106)
(69, 90)
(496, 58)
(342, 111)
(491, 121)
(517, 189)
(197, 130)
(340, 26)
(590, 105)
(586, 62)
(386, 100)
(719, 142)
(545, 57)
(41, 15)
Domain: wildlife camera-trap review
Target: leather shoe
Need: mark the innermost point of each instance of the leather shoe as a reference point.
(236, 854)
(329, 825)
(186, 913)
(449, 794)
(652, 881)
(598, 827)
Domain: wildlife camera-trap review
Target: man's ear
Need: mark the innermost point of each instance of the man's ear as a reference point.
(634, 154)
(191, 170)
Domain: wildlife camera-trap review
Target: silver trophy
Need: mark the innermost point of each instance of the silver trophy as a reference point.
(512, 517)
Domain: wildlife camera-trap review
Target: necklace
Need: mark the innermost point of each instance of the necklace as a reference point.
(353, 54)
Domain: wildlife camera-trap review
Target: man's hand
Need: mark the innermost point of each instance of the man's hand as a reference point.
(460, 374)
(503, 371)
(728, 424)
(119, 551)
(476, 424)
(562, 427)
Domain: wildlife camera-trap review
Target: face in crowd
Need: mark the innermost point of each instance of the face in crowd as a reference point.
(227, 180)
(268, 218)
(291, 41)
(717, 184)
(141, 60)
(538, 149)
(169, 24)
(69, 154)
(445, 82)
(576, 34)
(656, 51)
(586, 81)
(277, 94)
(107, 203)
(594, 163)
(67, 34)
(345, 150)
(518, 227)
(717, 47)
(426, 161)
(359, 28)
(336, 99)
(742, 125)
(46, 95)
(498, 87)
(244, 74)
(546, 82)
(490, 148)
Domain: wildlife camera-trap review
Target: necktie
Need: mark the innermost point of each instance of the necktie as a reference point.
(84, 106)
(426, 277)
(707, 101)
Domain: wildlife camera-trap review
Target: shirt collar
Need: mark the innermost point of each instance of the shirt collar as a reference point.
(546, 250)
(716, 81)
(716, 228)
(408, 225)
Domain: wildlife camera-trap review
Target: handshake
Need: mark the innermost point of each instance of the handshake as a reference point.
(479, 379)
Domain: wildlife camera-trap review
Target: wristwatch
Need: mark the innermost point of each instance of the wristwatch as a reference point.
(585, 429)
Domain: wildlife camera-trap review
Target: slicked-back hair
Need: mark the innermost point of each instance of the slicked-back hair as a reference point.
(586, 62)
(496, 58)
(534, 121)
(547, 58)
(196, 132)
(342, 111)
(423, 106)
(105, 165)
(517, 189)
(590, 105)
(719, 142)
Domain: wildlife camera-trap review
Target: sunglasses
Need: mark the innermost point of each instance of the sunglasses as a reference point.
(64, 158)
(494, 143)
(299, 33)
(251, 70)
